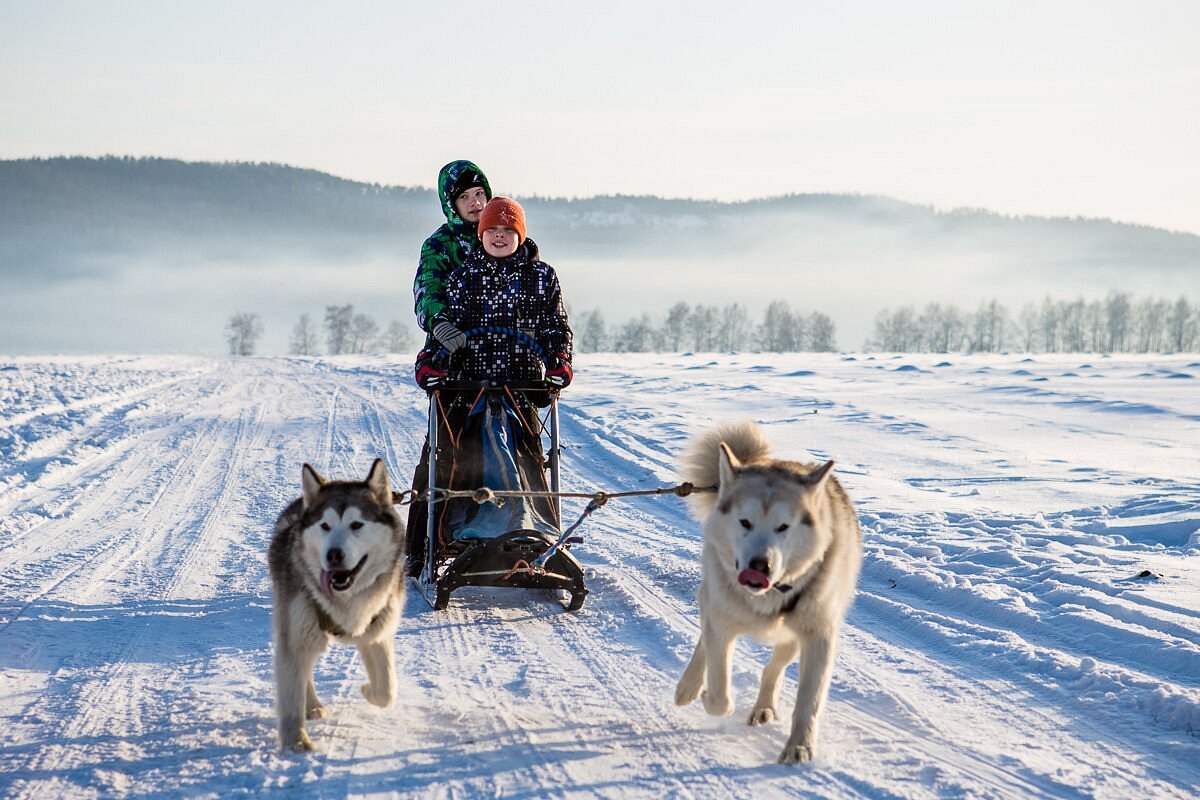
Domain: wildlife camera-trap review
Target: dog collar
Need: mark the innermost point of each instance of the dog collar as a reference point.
(790, 603)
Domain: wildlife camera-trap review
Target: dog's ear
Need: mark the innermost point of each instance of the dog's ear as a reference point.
(312, 482)
(818, 475)
(379, 483)
(727, 466)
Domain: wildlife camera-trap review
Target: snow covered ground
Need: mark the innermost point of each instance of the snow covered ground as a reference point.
(1027, 625)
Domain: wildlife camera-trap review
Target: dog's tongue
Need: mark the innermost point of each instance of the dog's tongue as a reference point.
(326, 583)
(753, 578)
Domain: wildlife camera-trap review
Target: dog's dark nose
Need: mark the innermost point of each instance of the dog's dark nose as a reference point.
(335, 556)
(760, 565)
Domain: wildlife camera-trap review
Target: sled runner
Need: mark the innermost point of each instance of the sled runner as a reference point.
(489, 434)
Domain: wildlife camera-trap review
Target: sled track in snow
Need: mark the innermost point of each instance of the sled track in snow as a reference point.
(114, 695)
(113, 552)
(134, 642)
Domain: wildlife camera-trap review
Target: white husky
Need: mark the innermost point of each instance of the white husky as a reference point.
(782, 548)
(335, 562)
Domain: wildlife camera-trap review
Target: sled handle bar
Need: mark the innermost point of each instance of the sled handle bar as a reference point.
(495, 386)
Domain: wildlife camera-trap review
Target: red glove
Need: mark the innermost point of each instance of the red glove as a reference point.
(431, 370)
(560, 375)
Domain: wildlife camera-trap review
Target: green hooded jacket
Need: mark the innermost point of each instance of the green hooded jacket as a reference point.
(446, 249)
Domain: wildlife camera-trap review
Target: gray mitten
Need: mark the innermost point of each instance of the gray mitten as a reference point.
(450, 337)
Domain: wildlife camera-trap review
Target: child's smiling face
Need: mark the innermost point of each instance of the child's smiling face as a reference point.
(500, 241)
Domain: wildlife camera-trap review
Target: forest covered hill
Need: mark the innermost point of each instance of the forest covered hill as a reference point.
(111, 235)
(63, 214)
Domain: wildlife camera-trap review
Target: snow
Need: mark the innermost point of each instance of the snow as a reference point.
(1027, 623)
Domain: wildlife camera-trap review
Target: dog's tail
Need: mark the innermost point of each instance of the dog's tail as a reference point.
(701, 460)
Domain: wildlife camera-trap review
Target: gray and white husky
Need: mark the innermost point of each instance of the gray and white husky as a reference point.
(781, 554)
(335, 562)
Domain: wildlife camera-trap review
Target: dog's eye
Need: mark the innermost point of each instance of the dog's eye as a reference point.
(325, 527)
(746, 524)
(806, 519)
(782, 528)
(355, 525)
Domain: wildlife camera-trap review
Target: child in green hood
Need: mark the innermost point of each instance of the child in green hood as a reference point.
(464, 191)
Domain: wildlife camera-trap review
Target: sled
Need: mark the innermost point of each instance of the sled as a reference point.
(491, 434)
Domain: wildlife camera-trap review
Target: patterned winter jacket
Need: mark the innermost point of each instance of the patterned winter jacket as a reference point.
(517, 292)
(445, 250)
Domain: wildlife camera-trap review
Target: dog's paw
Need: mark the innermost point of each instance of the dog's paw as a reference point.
(762, 716)
(300, 744)
(377, 697)
(687, 691)
(797, 753)
(717, 706)
(317, 712)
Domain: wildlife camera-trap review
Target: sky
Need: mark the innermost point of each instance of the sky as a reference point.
(1040, 108)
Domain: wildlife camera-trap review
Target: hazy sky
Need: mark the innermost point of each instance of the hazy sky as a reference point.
(1055, 108)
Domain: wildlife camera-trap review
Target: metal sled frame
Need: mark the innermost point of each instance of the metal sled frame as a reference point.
(504, 560)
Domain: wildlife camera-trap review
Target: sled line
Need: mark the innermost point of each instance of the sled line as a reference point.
(485, 495)
(596, 500)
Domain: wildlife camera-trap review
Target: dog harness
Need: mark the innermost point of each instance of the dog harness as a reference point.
(327, 624)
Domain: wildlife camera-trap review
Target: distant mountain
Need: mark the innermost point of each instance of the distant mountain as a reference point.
(70, 214)
(66, 216)
(81, 229)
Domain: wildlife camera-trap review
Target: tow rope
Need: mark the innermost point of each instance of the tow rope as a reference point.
(596, 501)
(486, 495)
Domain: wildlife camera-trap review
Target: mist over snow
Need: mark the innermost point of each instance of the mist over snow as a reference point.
(154, 255)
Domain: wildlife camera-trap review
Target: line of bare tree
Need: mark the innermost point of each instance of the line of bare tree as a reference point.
(1120, 323)
(345, 331)
(704, 328)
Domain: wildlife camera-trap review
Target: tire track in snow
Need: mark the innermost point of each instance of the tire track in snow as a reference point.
(549, 702)
(246, 439)
(1031, 607)
(72, 561)
(88, 702)
(382, 433)
(113, 435)
(69, 447)
(104, 403)
(936, 691)
(330, 418)
(961, 766)
(1046, 667)
(17, 575)
(115, 699)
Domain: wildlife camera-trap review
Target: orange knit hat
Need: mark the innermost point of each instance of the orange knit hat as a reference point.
(503, 212)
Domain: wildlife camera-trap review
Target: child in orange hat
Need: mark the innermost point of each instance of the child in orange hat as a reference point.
(502, 287)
